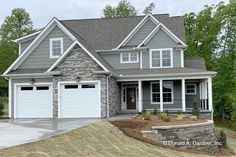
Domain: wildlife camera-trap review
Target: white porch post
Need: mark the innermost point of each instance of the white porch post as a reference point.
(183, 95)
(161, 95)
(210, 93)
(140, 104)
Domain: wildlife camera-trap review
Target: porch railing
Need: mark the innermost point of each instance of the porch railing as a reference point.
(177, 104)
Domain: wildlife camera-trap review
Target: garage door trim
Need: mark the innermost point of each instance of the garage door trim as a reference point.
(80, 82)
(16, 85)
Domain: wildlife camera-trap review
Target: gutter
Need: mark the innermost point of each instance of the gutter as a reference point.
(33, 74)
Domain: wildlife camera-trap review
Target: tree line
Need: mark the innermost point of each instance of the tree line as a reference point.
(210, 34)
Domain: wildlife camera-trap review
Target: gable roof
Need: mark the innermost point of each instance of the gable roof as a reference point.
(55, 22)
(108, 33)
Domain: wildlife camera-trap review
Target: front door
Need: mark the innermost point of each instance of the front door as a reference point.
(131, 98)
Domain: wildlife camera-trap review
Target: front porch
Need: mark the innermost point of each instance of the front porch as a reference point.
(175, 95)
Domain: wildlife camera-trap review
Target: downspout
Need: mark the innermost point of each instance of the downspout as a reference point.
(108, 112)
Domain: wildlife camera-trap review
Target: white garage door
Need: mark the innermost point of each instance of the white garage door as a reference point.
(34, 101)
(80, 100)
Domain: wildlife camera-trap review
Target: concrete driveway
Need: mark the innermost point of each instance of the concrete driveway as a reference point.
(20, 131)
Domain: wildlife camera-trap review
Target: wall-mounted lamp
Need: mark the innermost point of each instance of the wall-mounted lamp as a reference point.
(77, 78)
(32, 81)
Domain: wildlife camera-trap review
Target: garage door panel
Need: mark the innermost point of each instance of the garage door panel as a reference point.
(34, 103)
(83, 101)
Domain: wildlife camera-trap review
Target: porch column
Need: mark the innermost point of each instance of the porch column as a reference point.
(161, 95)
(183, 95)
(210, 93)
(140, 104)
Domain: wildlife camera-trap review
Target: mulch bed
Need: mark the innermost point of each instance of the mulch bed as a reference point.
(133, 128)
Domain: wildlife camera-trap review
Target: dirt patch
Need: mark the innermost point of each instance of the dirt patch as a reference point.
(133, 128)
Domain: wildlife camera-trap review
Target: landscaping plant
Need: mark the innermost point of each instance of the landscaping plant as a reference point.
(179, 117)
(146, 115)
(167, 112)
(222, 139)
(1, 107)
(155, 112)
(179, 112)
(193, 117)
(196, 109)
(166, 119)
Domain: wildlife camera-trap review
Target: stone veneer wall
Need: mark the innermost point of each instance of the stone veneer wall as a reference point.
(114, 97)
(200, 136)
(78, 63)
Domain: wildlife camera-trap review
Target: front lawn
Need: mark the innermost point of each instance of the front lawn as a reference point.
(101, 139)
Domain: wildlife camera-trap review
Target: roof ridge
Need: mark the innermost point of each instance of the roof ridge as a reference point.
(101, 18)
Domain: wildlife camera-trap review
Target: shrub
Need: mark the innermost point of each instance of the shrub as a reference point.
(1, 107)
(162, 114)
(155, 112)
(196, 109)
(193, 117)
(179, 117)
(166, 119)
(146, 115)
(179, 112)
(143, 110)
(167, 112)
(222, 139)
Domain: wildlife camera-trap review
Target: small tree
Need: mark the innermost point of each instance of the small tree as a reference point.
(222, 139)
(1, 107)
(196, 110)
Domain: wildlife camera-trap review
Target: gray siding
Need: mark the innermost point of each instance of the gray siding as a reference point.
(114, 60)
(24, 45)
(191, 98)
(177, 97)
(177, 102)
(158, 41)
(25, 80)
(142, 33)
(40, 57)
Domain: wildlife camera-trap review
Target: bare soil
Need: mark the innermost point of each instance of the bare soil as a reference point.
(133, 128)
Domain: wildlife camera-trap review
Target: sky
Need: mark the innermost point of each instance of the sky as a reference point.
(42, 11)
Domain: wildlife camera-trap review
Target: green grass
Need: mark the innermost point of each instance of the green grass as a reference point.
(5, 101)
(101, 139)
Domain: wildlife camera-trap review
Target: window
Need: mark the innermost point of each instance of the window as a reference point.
(71, 86)
(129, 57)
(167, 91)
(191, 89)
(88, 86)
(160, 58)
(26, 88)
(42, 88)
(56, 47)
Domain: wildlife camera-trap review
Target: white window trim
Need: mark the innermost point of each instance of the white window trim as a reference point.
(172, 92)
(55, 39)
(171, 57)
(195, 89)
(129, 61)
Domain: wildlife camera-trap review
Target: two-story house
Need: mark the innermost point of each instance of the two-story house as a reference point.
(101, 67)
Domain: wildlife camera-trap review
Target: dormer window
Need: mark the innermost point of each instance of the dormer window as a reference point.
(56, 47)
(129, 57)
(161, 58)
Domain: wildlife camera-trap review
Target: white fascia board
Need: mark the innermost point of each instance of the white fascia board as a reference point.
(69, 49)
(138, 26)
(150, 35)
(170, 75)
(36, 41)
(19, 40)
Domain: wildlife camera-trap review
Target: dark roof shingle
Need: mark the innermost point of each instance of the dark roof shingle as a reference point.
(107, 33)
